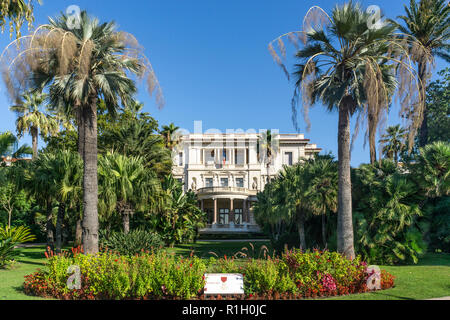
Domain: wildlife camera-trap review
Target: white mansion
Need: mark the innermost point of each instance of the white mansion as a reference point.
(227, 170)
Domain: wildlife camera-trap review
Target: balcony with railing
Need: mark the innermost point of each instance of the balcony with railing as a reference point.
(226, 190)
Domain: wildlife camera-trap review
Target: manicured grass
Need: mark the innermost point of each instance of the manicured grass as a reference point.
(429, 279)
(206, 249)
(11, 279)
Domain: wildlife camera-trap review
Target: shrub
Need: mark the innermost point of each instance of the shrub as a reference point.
(110, 276)
(260, 276)
(9, 238)
(131, 243)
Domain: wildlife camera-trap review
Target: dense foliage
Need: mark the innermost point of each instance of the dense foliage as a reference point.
(399, 211)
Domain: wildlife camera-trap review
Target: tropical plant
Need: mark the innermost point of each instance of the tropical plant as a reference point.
(131, 243)
(428, 23)
(386, 212)
(393, 142)
(178, 217)
(125, 186)
(268, 145)
(31, 119)
(135, 137)
(8, 146)
(321, 194)
(438, 108)
(77, 66)
(433, 169)
(348, 64)
(298, 192)
(9, 238)
(170, 135)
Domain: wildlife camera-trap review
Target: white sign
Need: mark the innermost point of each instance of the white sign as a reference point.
(224, 283)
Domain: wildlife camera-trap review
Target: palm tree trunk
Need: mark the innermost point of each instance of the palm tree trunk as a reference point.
(423, 138)
(78, 233)
(372, 136)
(34, 139)
(49, 226)
(126, 221)
(90, 181)
(59, 220)
(80, 131)
(324, 230)
(301, 229)
(345, 225)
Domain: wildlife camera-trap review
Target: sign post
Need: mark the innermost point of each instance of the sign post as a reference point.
(223, 283)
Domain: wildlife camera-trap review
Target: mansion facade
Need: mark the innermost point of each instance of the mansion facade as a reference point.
(226, 171)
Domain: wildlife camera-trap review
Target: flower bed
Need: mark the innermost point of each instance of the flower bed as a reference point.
(161, 275)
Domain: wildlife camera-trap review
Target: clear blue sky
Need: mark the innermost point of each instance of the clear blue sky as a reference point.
(212, 61)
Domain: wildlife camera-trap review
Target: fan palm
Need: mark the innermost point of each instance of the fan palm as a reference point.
(135, 138)
(78, 66)
(31, 119)
(126, 185)
(321, 194)
(345, 64)
(393, 142)
(428, 22)
(434, 169)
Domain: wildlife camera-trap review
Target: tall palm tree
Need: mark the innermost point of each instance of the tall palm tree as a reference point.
(428, 22)
(170, 135)
(393, 142)
(78, 66)
(340, 67)
(268, 147)
(31, 119)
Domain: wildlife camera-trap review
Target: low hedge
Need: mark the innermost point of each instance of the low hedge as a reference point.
(159, 275)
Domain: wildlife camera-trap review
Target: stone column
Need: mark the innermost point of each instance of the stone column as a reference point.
(231, 214)
(215, 211)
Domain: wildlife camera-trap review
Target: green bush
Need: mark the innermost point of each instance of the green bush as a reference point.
(131, 243)
(111, 276)
(9, 238)
(260, 276)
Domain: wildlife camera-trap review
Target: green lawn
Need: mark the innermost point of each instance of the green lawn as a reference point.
(11, 279)
(429, 279)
